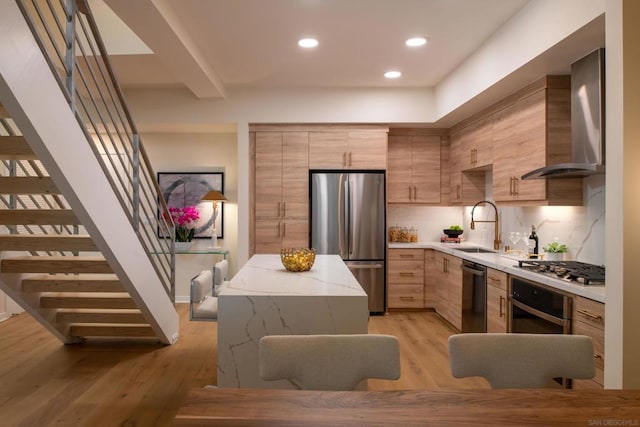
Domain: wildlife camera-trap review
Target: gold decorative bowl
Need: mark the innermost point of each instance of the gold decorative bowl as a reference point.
(297, 259)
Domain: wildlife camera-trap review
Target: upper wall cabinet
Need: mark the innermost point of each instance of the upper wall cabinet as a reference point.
(477, 145)
(466, 187)
(414, 171)
(348, 149)
(532, 131)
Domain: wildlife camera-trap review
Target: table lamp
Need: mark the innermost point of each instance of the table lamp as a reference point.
(215, 197)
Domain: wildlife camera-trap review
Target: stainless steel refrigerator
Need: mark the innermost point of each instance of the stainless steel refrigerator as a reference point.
(348, 219)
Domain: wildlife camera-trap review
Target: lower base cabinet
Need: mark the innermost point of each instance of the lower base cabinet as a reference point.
(449, 288)
(588, 319)
(405, 278)
(497, 301)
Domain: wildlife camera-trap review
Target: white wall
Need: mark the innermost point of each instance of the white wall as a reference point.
(200, 152)
(535, 29)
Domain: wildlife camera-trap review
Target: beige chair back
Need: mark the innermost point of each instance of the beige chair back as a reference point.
(521, 360)
(329, 362)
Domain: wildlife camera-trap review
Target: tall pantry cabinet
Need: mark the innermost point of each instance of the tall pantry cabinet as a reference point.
(281, 190)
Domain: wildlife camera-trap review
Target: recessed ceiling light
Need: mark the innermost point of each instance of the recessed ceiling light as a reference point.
(308, 43)
(392, 74)
(416, 41)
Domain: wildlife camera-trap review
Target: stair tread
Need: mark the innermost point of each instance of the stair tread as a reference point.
(72, 283)
(47, 242)
(55, 264)
(100, 316)
(15, 148)
(27, 185)
(38, 217)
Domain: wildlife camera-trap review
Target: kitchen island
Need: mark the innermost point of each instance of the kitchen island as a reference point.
(265, 299)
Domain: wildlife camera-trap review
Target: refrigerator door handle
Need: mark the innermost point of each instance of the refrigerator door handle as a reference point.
(349, 233)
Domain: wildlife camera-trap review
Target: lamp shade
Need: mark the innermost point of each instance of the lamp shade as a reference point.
(214, 195)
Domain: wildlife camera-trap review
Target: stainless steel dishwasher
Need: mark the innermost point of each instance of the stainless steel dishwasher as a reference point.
(474, 297)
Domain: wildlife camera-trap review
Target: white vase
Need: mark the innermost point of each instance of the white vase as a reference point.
(183, 246)
(554, 256)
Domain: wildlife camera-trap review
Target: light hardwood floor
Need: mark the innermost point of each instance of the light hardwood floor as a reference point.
(138, 383)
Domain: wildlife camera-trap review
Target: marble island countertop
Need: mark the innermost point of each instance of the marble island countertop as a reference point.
(500, 261)
(265, 275)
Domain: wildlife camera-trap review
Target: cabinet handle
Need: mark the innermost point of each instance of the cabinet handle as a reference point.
(591, 315)
(471, 156)
(458, 192)
(406, 256)
(284, 229)
(344, 159)
(410, 193)
(501, 306)
(279, 228)
(511, 186)
(415, 194)
(494, 280)
(406, 298)
(405, 274)
(598, 356)
(349, 158)
(445, 265)
(515, 185)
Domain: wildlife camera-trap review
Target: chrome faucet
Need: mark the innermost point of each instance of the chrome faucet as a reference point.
(496, 237)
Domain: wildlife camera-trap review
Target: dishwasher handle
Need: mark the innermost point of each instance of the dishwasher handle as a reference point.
(471, 268)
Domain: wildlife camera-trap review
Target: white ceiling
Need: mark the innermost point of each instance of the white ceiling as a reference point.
(211, 45)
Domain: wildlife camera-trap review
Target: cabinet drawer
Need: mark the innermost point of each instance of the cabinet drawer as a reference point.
(597, 335)
(588, 311)
(406, 255)
(404, 272)
(497, 278)
(405, 296)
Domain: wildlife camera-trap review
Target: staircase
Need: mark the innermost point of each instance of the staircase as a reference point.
(78, 295)
(79, 245)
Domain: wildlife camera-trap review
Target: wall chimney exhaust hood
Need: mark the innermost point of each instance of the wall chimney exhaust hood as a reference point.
(587, 122)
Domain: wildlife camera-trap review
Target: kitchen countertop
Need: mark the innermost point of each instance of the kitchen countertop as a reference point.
(508, 264)
(265, 275)
(265, 299)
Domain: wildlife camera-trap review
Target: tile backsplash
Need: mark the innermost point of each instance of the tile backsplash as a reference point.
(581, 228)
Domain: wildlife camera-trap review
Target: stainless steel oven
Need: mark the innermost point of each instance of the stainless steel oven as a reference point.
(535, 309)
(538, 310)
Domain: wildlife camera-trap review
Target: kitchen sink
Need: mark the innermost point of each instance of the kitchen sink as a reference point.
(476, 250)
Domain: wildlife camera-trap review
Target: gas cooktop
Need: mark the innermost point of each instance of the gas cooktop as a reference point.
(572, 271)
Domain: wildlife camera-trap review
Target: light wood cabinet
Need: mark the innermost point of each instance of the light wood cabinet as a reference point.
(430, 279)
(449, 288)
(477, 145)
(281, 190)
(348, 149)
(405, 278)
(413, 174)
(465, 187)
(588, 319)
(496, 301)
(532, 131)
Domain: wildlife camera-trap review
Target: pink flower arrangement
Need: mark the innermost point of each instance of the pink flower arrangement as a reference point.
(184, 219)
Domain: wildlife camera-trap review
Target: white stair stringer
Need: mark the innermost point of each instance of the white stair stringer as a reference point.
(56, 138)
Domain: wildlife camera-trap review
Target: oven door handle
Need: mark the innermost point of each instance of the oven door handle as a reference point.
(540, 314)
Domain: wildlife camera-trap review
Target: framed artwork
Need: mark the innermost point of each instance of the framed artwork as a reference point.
(182, 189)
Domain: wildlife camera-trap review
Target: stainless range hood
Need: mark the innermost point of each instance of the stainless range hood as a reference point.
(587, 122)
